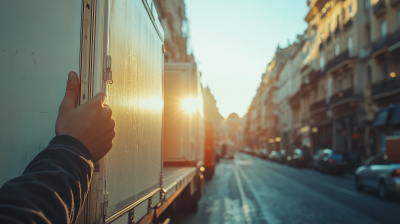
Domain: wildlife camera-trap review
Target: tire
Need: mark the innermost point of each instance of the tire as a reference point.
(382, 190)
(357, 184)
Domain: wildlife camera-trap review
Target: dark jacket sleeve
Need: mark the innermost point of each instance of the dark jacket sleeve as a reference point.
(53, 186)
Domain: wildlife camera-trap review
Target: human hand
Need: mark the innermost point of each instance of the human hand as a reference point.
(90, 123)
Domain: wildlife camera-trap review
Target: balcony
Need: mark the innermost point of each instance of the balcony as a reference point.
(379, 8)
(379, 44)
(341, 96)
(314, 76)
(348, 24)
(337, 30)
(385, 88)
(343, 57)
(393, 3)
(318, 105)
(394, 37)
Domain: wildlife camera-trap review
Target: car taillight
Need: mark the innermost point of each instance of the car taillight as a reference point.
(396, 173)
(331, 161)
(301, 158)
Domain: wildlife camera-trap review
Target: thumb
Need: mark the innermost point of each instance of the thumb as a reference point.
(71, 93)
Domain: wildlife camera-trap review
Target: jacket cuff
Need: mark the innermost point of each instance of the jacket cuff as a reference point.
(71, 143)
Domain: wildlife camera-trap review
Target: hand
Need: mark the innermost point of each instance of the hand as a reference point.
(90, 123)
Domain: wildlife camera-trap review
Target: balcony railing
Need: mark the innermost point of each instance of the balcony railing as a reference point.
(318, 105)
(385, 86)
(314, 76)
(338, 60)
(379, 44)
(393, 3)
(394, 37)
(342, 95)
(379, 8)
(348, 24)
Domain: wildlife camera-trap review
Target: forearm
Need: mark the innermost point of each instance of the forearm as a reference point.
(52, 188)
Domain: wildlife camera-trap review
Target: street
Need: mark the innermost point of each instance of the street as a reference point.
(251, 190)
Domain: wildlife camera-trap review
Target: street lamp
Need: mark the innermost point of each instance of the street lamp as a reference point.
(277, 139)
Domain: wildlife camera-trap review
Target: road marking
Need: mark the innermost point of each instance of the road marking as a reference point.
(246, 210)
(342, 190)
(268, 216)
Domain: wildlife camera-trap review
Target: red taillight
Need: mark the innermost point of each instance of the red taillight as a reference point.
(331, 161)
(396, 173)
(301, 158)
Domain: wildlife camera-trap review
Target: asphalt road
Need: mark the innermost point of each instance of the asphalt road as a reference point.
(252, 190)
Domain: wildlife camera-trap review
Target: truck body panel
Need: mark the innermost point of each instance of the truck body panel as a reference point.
(37, 50)
(136, 99)
(183, 129)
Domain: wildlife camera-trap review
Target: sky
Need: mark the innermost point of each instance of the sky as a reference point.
(234, 40)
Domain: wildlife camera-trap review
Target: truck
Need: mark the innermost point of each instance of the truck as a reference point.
(209, 150)
(116, 47)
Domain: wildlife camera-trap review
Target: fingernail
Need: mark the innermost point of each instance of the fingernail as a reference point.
(71, 75)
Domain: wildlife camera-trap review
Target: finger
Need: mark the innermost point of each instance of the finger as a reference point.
(71, 94)
(102, 97)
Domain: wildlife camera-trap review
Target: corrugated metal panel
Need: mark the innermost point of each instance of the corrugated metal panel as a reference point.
(39, 45)
(183, 130)
(134, 163)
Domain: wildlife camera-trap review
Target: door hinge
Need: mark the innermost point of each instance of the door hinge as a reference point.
(108, 73)
(104, 203)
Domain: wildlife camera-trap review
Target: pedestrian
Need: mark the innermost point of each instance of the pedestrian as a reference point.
(54, 185)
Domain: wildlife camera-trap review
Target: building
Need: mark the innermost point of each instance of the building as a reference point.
(352, 52)
(172, 16)
(337, 87)
(212, 115)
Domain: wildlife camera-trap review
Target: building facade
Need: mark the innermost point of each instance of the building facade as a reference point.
(338, 85)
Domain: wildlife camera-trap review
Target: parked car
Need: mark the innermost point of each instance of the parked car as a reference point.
(380, 174)
(274, 156)
(247, 150)
(257, 152)
(333, 162)
(283, 156)
(264, 153)
(316, 159)
(299, 158)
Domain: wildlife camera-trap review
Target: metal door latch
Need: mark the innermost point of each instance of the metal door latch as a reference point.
(108, 73)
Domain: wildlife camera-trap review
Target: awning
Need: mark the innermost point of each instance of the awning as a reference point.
(395, 114)
(382, 117)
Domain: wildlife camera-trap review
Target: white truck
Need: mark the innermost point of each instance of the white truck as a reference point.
(115, 46)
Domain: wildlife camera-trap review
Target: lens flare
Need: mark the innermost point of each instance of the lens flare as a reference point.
(190, 105)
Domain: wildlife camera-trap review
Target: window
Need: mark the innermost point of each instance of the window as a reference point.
(350, 10)
(368, 35)
(384, 73)
(383, 28)
(322, 62)
(337, 49)
(350, 46)
(337, 21)
(369, 75)
(367, 4)
(340, 87)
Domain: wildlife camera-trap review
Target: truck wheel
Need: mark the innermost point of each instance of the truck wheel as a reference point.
(193, 204)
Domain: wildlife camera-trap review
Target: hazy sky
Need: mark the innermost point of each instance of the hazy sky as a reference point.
(234, 40)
